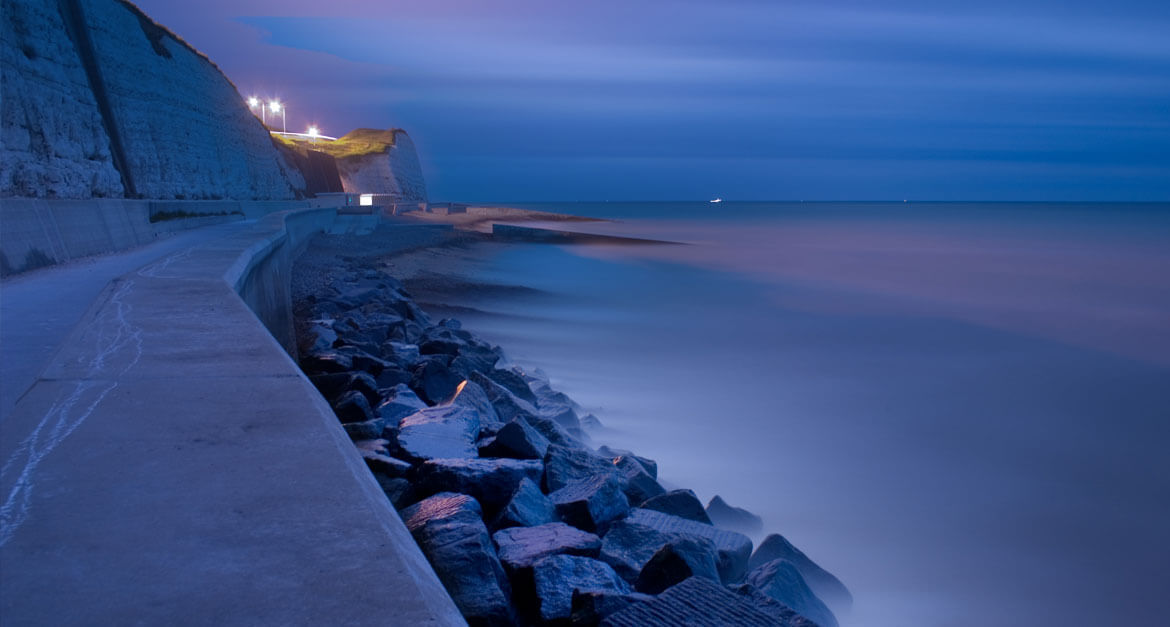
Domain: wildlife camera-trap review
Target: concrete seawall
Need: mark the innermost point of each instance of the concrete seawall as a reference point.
(172, 465)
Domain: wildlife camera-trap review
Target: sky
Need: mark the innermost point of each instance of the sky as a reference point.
(537, 100)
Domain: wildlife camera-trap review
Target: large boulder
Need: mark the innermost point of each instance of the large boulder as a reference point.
(514, 383)
(516, 439)
(590, 607)
(786, 616)
(822, 582)
(506, 404)
(631, 542)
(564, 465)
(696, 602)
(352, 406)
(591, 503)
(521, 547)
(401, 402)
(491, 481)
(780, 580)
(450, 531)
(557, 577)
(678, 560)
(528, 507)
(681, 503)
(471, 395)
(733, 518)
(638, 485)
(439, 433)
(434, 382)
(649, 465)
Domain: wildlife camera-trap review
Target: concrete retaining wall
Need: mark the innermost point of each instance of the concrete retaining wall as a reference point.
(38, 232)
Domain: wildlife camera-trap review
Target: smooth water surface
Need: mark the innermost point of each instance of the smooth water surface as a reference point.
(963, 411)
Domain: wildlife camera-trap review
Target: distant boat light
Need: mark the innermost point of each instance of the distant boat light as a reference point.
(717, 200)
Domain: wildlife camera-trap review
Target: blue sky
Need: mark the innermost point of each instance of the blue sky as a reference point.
(1027, 100)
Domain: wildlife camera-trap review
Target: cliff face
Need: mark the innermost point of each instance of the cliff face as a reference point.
(101, 101)
(52, 142)
(390, 169)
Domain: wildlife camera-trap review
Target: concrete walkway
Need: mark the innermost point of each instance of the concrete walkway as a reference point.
(171, 465)
(40, 308)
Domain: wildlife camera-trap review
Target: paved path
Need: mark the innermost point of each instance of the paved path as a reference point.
(171, 465)
(39, 309)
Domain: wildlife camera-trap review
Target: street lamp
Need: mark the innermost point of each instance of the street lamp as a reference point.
(277, 108)
(313, 133)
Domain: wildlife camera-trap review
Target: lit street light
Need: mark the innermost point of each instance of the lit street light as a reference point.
(313, 133)
(277, 108)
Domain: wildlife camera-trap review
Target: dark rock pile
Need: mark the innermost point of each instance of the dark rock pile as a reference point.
(522, 519)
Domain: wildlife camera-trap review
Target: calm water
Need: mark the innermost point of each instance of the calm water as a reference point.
(962, 410)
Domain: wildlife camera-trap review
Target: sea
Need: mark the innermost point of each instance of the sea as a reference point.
(962, 410)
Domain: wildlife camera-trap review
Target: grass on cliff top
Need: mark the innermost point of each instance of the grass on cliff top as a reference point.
(363, 141)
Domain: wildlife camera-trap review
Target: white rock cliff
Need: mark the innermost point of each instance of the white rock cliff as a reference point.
(98, 100)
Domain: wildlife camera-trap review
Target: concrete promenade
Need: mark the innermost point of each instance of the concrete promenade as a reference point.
(171, 465)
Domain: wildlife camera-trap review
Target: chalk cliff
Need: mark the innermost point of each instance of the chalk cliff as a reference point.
(98, 100)
(389, 166)
(52, 142)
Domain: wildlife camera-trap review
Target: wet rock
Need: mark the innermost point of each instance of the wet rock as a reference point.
(440, 347)
(564, 465)
(639, 485)
(649, 465)
(528, 507)
(401, 402)
(590, 607)
(450, 531)
(786, 616)
(380, 463)
(733, 518)
(364, 383)
(696, 602)
(592, 423)
(591, 503)
(514, 383)
(400, 491)
(472, 395)
(327, 361)
(366, 430)
(518, 440)
(822, 582)
(364, 361)
(352, 406)
(555, 433)
(506, 404)
(476, 357)
(780, 580)
(434, 382)
(331, 384)
(393, 376)
(678, 560)
(405, 355)
(681, 503)
(439, 432)
(321, 337)
(631, 542)
(492, 482)
(556, 578)
(521, 547)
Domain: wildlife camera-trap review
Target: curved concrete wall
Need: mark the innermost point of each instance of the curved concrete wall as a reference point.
(173, 465)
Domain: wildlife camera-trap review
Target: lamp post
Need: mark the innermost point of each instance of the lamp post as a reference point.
(277, 108)
(313, 133)
(254, 102)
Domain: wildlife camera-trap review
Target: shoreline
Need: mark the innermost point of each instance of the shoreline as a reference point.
(465, 446)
